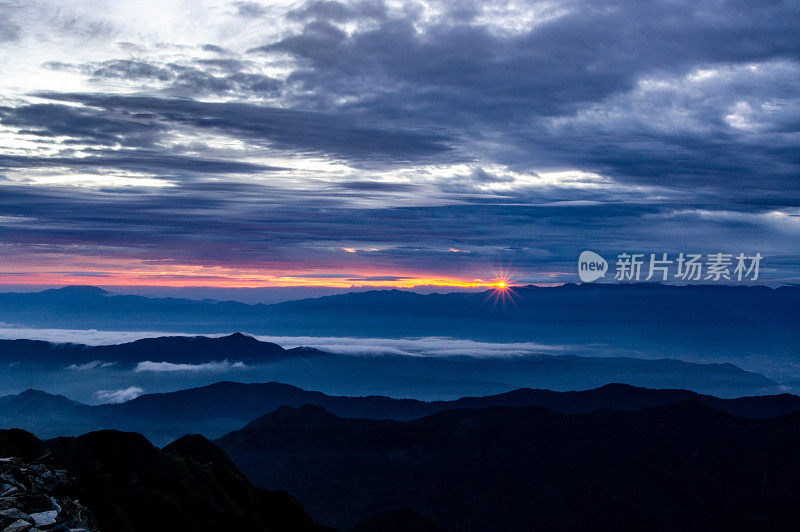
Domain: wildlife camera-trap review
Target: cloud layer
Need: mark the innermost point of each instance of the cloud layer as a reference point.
(168, 367)
(239, 143)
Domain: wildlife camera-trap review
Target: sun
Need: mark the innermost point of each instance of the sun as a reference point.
(502, 291)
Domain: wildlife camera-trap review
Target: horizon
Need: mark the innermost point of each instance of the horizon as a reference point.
(272, 295)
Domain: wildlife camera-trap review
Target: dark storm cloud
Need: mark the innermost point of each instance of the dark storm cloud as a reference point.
(334, 134)
(139, 160)
(591, 52)
(200, 77)
(564, 93)
(215, 223)
(83, 124)
(529, 89)
(372, 186)
(138, 134)
(338, 11)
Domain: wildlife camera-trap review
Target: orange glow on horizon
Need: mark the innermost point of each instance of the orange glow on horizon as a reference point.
(140, 273)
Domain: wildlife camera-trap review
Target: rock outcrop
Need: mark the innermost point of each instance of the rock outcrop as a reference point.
(37, 497)
(132, 486)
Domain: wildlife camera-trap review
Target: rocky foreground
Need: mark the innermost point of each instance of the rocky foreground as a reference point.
(37, 497)
(119, 482)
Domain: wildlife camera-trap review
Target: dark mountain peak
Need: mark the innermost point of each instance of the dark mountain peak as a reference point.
(32, 392)
(131, 485)
(610, 388)
(20, 443)
(620, 390)
(83, 291)
(117, 442)
(199, 449)
(124, 451)
(238, 338)
(31, 397)
(619, 387)
(198, 349)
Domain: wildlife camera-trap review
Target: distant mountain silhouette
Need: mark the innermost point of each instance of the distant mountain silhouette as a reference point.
(131, 486)
(173, 349)
(657, 318)
(683, 466)
(85, 292)
(429, 377)
(755, 325)
(220, 408)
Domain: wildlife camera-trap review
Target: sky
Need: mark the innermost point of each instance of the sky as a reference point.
(398, 143)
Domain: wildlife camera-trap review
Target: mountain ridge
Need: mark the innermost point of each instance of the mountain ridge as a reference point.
(174, 349)
(753, 325)
(225, 406)
(30, 308)
(682, 466)
(128, 485)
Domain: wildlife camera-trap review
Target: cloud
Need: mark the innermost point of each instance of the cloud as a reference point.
(142, 122)
(119, 396)
(137, 161)
(250, 9)
(214, 48)
(271, 136)
(233, 225)
(94, 364)
(8, 31)
(88, 337)
(339, 11)
(535, 89)
(168, 367)
(54, 120)
(206, 77)
(465, 65)
(430, 346)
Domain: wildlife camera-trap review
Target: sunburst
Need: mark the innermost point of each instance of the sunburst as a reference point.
(502, 288)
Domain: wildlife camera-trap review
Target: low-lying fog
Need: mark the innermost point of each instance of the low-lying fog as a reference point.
(424, 368)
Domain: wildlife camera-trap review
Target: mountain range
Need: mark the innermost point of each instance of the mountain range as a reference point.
(692, 318)
(226, 406)
(178, 362)
(620, 456)
(683, 466)
(172, 349)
